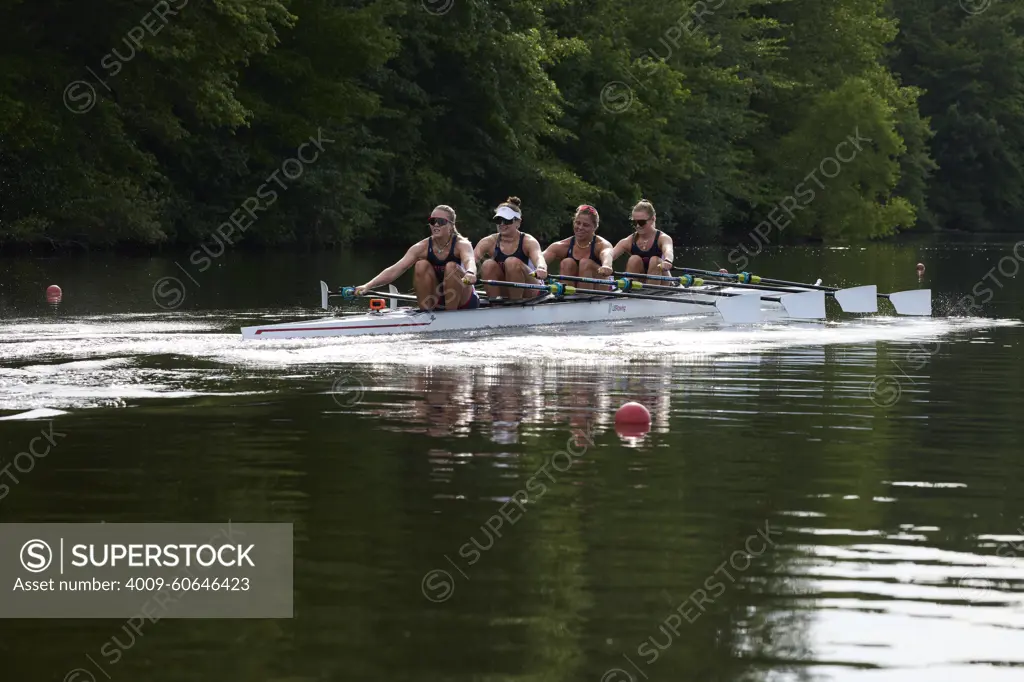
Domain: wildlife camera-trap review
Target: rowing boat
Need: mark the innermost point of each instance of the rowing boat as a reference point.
(742, 300)
(613, 306)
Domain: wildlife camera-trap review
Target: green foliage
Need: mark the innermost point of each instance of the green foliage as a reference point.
(716, 111)
(971, 69)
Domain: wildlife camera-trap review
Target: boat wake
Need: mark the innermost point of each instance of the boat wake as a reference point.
(113, 361)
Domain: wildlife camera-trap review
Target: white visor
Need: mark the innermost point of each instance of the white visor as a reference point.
(508, 213)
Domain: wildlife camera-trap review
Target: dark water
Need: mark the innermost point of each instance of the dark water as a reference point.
(836, 501)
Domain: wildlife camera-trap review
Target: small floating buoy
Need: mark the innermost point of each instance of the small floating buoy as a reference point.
(723, 271)
(633, 414)
(53, 294)
(920, 268)
(632, 430)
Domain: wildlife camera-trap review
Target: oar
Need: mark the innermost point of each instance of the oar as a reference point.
(856, 300)
(863, 299)
(349, 293)
(807, 305)
(555, 288)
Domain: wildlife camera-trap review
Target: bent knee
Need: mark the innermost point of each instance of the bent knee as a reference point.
(423, 267)
(513, 263)
(490, 268)
(567, 267)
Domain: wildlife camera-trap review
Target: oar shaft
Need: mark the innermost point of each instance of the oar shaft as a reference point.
(746, 277)
(371, 294)
(698, 282)
(630, 284)
(556, 289)
(661, 278)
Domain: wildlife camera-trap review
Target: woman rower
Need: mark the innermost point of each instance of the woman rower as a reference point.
(584, 254)
(442, 261)
(511, 255)
(649, 249)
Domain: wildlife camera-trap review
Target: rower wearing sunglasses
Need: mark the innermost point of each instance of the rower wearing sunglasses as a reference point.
(511, 255)
(441, 260)
(649, 249)
(584, 254)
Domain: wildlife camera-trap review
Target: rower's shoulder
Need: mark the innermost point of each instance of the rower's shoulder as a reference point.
(420, 247)
(560, 244)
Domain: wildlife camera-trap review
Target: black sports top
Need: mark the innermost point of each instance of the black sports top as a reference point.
(654, 250)
(592, 256)
(439, 265)
(500, 256)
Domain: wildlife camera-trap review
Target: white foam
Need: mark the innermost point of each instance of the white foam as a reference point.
(41, 413)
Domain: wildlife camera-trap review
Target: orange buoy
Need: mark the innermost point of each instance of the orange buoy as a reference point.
(632, 414)
(53, 294)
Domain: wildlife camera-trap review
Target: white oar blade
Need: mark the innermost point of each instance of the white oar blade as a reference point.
(809, 305)
(858, 299)
(917, 302)
(323, 295)
(740, 309)
(394, 301)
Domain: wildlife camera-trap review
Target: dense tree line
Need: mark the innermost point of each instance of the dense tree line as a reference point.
(142, 121)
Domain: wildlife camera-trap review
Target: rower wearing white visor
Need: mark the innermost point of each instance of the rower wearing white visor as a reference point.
(510, 255)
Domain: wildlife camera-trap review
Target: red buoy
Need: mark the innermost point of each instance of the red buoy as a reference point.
(632, 430)
(633, 414)
(53, 294)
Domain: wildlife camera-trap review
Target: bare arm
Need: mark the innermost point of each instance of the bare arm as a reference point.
(468, 256)
(534, 253)
(393, 272)
(604, 251)
(666, 251)
(621, 248)
(556, 251)
(484, 248)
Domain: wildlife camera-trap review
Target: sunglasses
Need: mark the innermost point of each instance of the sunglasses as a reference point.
(498, 220)
(640, 223)
(438, 222)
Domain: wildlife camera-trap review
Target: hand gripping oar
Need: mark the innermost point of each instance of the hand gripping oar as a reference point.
(863, 299)
(349, 293)
(807, 305)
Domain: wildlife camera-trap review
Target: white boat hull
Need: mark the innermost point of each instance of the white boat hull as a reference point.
(408, 320)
